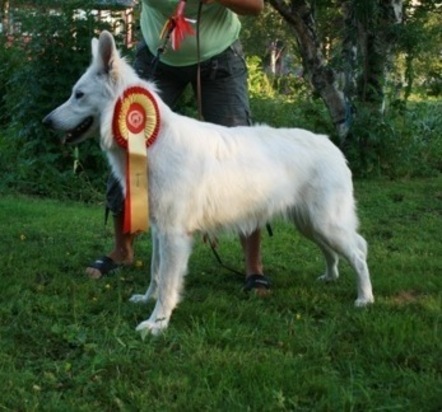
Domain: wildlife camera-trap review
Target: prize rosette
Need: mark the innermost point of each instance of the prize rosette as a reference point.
(135, 127)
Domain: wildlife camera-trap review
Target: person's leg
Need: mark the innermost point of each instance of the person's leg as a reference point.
(122, 252)
(252, 252)
(225, 101)
(121, 255)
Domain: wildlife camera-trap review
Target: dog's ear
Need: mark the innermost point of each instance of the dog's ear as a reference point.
(105, 52)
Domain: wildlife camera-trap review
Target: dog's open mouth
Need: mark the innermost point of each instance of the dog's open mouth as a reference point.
(76, 134)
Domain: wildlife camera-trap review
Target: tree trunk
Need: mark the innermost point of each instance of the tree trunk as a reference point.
(375, 42)
(350, 52)
(321, 76)
(366, 53)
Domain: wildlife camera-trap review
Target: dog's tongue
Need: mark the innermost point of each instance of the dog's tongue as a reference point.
(67, 138)
(75, 134)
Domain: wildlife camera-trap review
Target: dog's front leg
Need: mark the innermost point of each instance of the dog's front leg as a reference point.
(151, 292)
(174, 252)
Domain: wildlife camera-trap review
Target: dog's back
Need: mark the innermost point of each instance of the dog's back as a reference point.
(238, 178)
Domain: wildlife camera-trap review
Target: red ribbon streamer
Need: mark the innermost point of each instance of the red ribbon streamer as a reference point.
(178, 26)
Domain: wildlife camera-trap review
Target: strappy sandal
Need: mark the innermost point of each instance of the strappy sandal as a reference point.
(105, 265)
(257, 282)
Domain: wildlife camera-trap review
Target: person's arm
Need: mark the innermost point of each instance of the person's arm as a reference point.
(252, 7)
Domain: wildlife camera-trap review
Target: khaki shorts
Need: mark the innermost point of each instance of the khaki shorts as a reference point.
(224, 94)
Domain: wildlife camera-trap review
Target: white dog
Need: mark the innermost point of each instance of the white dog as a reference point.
(204, 178)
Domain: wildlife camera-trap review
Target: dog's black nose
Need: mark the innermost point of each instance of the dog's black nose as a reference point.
(47, 121)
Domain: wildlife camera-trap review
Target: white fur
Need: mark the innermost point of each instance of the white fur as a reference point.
(204, 178)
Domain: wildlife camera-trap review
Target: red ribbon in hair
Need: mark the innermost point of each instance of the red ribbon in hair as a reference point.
(177, 26)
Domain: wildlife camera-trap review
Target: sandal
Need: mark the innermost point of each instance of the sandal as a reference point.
(105, 265)
(257, 282)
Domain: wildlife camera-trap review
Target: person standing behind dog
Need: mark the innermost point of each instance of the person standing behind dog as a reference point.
(224, 98)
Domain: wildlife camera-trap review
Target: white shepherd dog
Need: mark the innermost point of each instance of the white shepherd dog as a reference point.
(204, 178)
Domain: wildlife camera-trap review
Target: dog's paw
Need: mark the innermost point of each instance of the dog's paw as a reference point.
(362, 302)
(152, 327)
(140, 299)
(327, 278)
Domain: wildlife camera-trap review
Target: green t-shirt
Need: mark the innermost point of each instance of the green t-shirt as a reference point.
(219, 28)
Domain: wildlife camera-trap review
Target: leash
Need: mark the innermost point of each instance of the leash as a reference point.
(218, 257)
(161, 49)
(221, 263)
(198, 68)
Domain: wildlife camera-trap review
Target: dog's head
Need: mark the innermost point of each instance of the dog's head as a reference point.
(79, 117)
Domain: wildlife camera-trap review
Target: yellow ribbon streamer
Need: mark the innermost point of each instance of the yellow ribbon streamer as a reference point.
(136, 202)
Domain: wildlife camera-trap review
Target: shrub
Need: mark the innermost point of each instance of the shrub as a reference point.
(405, 142)
(38, 73)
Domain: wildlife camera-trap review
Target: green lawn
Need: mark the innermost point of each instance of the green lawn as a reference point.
(68, 343)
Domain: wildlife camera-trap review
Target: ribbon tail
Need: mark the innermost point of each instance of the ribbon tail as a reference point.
(167, 28)
(127, 199)
(136, 212)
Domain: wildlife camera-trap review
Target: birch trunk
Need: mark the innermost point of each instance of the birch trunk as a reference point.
(321, 76)
(366, 53)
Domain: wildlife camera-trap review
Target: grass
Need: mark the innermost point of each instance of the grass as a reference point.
(68, 343)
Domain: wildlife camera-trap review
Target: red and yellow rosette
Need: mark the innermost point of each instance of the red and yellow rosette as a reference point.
(135, 126)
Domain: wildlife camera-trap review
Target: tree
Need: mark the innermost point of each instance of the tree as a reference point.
(364, 47)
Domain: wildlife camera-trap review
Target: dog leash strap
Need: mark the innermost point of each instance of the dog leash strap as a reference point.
(160, 51)
(165, 35)
(198, 52)
(218, 258)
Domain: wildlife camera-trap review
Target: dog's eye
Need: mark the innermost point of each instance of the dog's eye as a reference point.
(79, 95)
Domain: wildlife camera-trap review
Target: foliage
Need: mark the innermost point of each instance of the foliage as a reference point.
(11, 60)
(37, 76)
(416, 40)
(40, 65)
(404, 142)
(419, 47)
(352, 53)
(69, 344)
(258, 33)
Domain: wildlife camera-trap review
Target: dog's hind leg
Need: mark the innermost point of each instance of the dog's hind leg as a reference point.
(174, 251)
(358, 260)
(331, 257)
(332, 262)
(352, 247)
(151, 292)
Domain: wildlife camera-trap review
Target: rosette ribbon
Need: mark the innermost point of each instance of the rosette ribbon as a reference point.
(178, 26)
(135, 127)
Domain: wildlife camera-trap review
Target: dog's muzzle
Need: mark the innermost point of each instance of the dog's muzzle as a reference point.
(73, 135)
